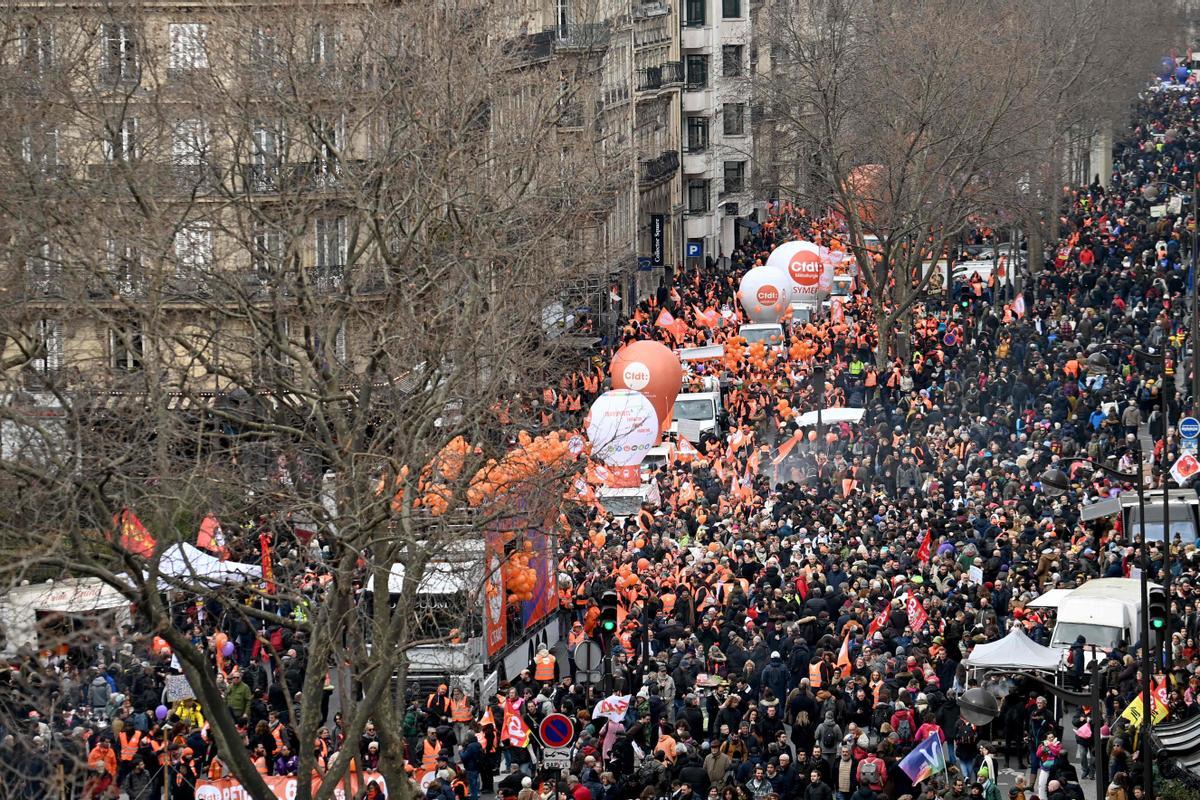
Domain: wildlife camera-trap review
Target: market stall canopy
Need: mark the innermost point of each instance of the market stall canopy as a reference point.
(1016, 651)
(1050, 599)
(831, 416)
(189, 563)
(67, 596)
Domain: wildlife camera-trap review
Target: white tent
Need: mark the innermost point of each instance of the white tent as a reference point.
(189, 563)
(1016, 651)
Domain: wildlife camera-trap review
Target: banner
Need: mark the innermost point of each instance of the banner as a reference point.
(495, 625)
(268, 572)
(545, 588)
(926, 760)
(1133, 711)
(178, 688)
(284, 786)
(132, 534)
(614, 706)
(916, 612)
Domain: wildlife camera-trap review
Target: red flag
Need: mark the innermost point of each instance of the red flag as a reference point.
(881, 620)
(925, 551)
(843, 659)
(132, 534)
(916, 613)
(268, 573)
(212, 538)
(516, 732)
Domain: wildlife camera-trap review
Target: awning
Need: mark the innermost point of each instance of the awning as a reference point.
(1015, 652)
(748, 224)
(441, 577)
(1051, 599)
(702, 353)
(831, 416)
(188, 563)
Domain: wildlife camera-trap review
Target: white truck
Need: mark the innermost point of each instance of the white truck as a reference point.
(1104, 611)
(700, 413)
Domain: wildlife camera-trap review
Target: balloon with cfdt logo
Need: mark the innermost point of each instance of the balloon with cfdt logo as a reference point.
(810, 271)
(653, 369)
(763, 293)
(622, 427)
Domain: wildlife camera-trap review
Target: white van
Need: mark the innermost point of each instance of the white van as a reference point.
(625, 503)
(1104, 611)
(769, 333)
(701, 408)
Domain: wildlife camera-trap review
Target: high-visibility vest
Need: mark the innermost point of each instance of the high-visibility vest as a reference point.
(277, 732)
(543, 667)
(459, 711)
(814, 675)
(129, 745)
(429, 755)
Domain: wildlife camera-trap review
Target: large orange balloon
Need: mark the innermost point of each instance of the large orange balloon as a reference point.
(652, 369)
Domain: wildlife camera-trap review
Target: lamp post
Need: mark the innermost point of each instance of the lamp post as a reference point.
(979, 707)
(818, 377)
(1056, 483)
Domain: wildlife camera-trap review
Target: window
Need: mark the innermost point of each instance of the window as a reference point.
(562, 13)
(697, 134)
(188, 51)
(327, 144)
(190, 147)
(49, 335)
(124, 267)
(120, 52)
(43, 268)
(266, 253)
(735, 176)
(265, 159)
(697, 196)
(122, 142)
(39, 147)
(330, 251)
(697, 71)
(731, 60)
(264, 48)
(731, 9)
(323, 45)
(37, 47)
(695, 15)
(193, 250)
(125, 348)
(734, 115)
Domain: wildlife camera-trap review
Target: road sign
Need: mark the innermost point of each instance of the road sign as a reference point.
(1189, 428)
(695, 249)
(556, 730)
(583, 676)
(588, 656)
(556, 758)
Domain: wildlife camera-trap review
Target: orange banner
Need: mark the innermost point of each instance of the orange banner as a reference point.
(284, 787)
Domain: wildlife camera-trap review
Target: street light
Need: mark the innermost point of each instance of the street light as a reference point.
(979, 707)
(1056, 483)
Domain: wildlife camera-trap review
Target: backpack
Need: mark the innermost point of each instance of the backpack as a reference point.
(904, 729)
(883, 713)
(870, 773)
(829, 737)
(967, 734)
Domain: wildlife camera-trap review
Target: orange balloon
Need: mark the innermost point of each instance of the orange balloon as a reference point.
(652, 369)
(812, 436)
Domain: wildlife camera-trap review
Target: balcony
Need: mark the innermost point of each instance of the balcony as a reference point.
(582, 36)
(658, 170)
(653, 8)
(665, 75)
(532, 48)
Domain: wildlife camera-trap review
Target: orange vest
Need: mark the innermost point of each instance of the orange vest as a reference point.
(543, 668)
(459, 711)
(277, 732)
(129, 745)
(575, 638)
(429, 756)
(814, 675)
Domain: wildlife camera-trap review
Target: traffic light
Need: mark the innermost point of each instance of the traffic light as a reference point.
(608, 613)
(1157, 610)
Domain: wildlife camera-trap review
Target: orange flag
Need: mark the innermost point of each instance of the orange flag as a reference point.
(212, 538)
(843, 659)
(132, 534)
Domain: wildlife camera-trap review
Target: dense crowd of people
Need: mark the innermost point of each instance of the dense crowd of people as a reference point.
(796, 611)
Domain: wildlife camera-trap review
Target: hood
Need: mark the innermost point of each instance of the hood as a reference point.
(99, 681)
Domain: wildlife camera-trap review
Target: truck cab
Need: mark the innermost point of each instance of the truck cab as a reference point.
(703, 409)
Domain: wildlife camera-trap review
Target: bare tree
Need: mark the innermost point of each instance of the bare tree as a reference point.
(287, 266)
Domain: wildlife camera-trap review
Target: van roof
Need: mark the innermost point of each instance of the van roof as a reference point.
(1111, 589)
(707, 395)
(760, 326)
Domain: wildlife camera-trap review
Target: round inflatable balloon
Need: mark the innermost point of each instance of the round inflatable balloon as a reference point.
(810, 268)
(764, 293)
(161, 712)
(227, 649)
(622, 426)
(652, 369)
